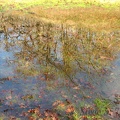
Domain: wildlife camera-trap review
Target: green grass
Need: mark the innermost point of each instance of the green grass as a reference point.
(102, 105)
(20, 4)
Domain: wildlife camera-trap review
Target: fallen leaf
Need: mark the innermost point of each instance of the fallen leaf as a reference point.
(70, 109)
(110, 112)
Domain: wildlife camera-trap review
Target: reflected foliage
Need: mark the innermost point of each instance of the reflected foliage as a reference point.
(50, 50)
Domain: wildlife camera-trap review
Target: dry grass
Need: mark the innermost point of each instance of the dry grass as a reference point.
(98, 19)
(95, 18)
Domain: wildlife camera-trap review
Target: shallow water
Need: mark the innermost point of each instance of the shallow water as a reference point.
(40, 64)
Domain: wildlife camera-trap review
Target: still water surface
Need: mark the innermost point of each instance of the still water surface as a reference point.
(41, 63)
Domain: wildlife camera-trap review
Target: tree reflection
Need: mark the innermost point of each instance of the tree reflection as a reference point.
(52, 50)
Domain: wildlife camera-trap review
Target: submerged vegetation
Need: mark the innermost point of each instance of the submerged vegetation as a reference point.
(55, 56)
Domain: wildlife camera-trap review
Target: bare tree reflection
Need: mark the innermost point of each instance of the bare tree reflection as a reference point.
(50, 50)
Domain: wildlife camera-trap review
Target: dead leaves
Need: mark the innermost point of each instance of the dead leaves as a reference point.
(113, 113)
(6, 78)
(117, 99)
(56, 103)
(50, 115)
(64, 107)
(36, 111)
(22, 105)
(89, 110)
(70, 109)
(76, 88)
(33, 114)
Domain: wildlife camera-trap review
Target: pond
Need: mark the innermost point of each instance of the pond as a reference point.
(41, 63)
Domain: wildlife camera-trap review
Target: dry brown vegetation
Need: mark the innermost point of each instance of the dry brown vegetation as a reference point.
(95, 18)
